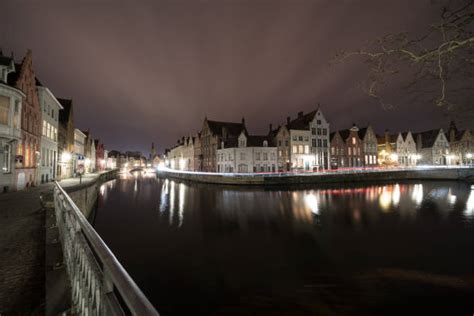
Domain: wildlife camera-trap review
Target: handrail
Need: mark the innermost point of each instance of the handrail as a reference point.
(135, 301)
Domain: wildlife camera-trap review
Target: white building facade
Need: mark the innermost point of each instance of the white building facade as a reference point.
(78, 159)
(50, 107)
(301, 156)
(406, 150)
(433, 148)
(181, 156)
(320, 143)
(249, 154)
(10, 125)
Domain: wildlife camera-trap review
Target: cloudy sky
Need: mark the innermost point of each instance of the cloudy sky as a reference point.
(149, 71)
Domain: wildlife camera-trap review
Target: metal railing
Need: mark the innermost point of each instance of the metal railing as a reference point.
(100, 285)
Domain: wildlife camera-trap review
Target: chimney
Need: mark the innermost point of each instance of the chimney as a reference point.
(300, 114)
(270, 126)
(243, 121)
(287, 120)
(224, 132)
(452, 132)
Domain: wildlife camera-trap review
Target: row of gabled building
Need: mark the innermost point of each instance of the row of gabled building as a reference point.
(38, 138)
(306, 143)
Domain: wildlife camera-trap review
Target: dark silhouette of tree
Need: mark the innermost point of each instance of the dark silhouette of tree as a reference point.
(437, 65)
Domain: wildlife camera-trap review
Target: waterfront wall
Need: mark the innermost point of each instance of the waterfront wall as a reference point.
(85, 194)
(434, 173)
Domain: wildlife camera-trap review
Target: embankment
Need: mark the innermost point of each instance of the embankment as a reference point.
(377, 175)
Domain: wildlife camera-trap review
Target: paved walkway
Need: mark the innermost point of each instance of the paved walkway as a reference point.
(22, 248)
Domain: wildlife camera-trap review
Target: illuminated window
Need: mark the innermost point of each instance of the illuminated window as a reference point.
(4, 110)
(300, 149)
(295, 149)
(7, 156)
(353, 140)
(349, 149)
(306, 149)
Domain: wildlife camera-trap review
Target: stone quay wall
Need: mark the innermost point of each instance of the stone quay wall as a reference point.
(434, 173)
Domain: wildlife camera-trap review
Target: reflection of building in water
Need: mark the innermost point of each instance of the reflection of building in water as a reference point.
(417, 194)
(469, 210)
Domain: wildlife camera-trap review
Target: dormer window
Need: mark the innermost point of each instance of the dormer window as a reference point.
(242, 142)
(265, 143)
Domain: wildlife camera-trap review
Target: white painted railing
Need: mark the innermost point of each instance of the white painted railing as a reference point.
(100, 285)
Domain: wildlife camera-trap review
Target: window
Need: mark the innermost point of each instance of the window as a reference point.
(325, 142)
(306, 138)
(44, 128)
(353, 140)
(306, 149)
(279, 143)
(242, 156)
(7, 156)
(265, 156)
(295, 138)
(349, 150)
(265, 143)
(313, 131)
(272, 155)
(4, 110)
(257, 156)
(313, 142)
(295, 149)
(286, 143)
(319, 131)
(280, 153)
(325, 131)
(318, 122)
(319, 143)
(358, 150)
(333, 151)
(16, 115)
(300, 138)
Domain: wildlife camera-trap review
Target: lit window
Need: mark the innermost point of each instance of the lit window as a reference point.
(306, 149)
(295, 149)
(4, 110)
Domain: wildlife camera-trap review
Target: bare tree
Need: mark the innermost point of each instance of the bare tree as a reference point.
(438, 64)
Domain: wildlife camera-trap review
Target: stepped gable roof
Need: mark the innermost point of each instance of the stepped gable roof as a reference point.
(232, 128)
(345, 133)
(64, 113)
(404, 136)
(331, 136)
(362, 132)
(96, 143)
(457, 135)
(428, 138)
(302, 122)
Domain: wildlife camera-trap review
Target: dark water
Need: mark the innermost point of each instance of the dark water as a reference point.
(371, 249)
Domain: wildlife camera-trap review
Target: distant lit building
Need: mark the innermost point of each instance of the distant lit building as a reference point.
(50, 109)
(461, 143)
(65, 139)
(433, 147)
(347, 148)
(78, 159)
(11, 99)
(369, 146)
(212, 134)
(181, 156)
(247, 154)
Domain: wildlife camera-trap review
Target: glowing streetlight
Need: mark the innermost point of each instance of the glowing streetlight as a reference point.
(65, 156)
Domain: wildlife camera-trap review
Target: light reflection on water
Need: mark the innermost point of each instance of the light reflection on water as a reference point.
(207, 244)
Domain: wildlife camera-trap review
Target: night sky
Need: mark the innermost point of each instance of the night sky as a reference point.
(143, 71)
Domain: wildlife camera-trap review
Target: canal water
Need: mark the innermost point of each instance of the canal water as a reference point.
(369, 249)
